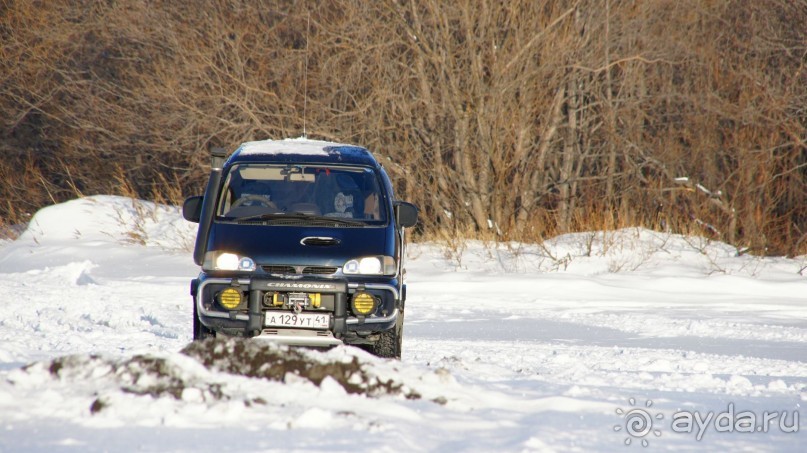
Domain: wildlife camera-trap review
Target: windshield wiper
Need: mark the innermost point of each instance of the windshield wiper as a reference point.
(300, 216)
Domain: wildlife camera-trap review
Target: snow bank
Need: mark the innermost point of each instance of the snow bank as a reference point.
(628, 250)
(104, 218)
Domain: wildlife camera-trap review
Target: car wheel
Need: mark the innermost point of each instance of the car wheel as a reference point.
(390, 342)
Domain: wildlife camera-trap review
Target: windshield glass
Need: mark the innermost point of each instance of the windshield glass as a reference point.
(268, 191)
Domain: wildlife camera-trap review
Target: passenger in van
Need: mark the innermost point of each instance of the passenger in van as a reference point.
(371, 206)
(338, 195)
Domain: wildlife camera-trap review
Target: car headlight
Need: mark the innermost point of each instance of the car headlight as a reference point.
(370, 265)
(224, 261)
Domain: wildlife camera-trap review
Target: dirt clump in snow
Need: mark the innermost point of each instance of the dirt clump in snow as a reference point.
(179, 377)
(258, 359)
(139, 375)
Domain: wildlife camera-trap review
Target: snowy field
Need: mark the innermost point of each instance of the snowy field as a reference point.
(590, 342)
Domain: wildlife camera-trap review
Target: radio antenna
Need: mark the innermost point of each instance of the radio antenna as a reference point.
(305, 73)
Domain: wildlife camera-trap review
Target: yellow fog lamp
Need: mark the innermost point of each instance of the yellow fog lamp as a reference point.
(230, 298)
(363, 303)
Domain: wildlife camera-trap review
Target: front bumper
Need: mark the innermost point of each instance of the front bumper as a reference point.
(249, 319)
(299, 337)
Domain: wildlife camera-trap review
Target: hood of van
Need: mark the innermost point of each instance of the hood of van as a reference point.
(300, 246)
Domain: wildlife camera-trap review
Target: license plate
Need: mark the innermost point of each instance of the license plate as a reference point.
(304, 320)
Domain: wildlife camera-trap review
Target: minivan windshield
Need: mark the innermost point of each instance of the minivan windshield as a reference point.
(279, 192)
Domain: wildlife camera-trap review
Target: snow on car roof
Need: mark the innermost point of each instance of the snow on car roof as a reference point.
(299, 146)
(303, 149)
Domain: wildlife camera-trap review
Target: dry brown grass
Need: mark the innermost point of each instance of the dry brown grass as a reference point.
(535, 117)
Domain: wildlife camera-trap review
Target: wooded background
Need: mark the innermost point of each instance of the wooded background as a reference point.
(514, 120)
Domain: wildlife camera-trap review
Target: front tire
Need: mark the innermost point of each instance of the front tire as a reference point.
(390, 343)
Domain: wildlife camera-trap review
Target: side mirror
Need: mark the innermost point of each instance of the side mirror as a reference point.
(406, 214)
(192, 208)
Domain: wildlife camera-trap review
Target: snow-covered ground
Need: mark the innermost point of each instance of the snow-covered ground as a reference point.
(567, 346)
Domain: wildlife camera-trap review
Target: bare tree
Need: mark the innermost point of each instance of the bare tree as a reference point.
(513, 120)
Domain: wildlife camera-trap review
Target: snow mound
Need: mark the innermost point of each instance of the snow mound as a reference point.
(106, 218)
(77, 273)
(215, 373)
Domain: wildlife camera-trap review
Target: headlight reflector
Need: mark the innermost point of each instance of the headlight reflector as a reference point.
(363, 303)
(246, 264)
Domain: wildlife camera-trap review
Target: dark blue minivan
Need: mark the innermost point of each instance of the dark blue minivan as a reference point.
(300, 242)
